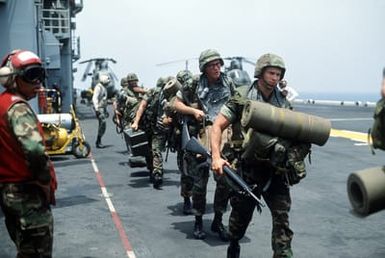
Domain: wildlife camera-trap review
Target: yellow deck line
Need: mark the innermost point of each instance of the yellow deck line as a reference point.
(355, 136)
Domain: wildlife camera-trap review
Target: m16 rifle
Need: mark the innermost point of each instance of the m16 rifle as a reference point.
(194, 146)
(116, 119)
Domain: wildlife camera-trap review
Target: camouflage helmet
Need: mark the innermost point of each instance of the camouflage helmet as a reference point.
(183, 76)
(124, 82)
(269, 60)
(208, 56)
(132, 77)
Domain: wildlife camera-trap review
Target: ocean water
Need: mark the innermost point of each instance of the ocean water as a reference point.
(351, 96)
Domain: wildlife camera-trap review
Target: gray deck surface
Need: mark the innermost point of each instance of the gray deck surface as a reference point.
(321, 217)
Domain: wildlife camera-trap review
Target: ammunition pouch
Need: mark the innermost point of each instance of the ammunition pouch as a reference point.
(296, 173)
(296, 162)
(257, 145)
(131, 100)
(287, 158)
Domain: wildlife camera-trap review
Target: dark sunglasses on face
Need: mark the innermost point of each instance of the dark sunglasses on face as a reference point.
(33, 74)
(215, 64)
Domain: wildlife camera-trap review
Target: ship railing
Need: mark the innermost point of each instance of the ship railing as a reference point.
(347, 103)
(57, 21)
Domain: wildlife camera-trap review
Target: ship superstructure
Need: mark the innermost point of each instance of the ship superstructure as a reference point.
(46, 27)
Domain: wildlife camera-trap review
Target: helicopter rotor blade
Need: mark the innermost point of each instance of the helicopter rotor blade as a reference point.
(85, 74)
(114, 76)
(241, 59)
(177, 61)
(249, 62)
(86, 61)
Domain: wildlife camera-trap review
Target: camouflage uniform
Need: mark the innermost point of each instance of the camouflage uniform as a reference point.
(209, 99)
(148, 125)
(155, 113)
(185, 77)
(28, 215)
(261, 170)
(27, 177)
(127, 102)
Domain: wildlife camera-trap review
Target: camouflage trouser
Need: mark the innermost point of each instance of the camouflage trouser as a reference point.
(277, 198)
(222, 195)
(158, 145)
(149, 157)
(186, 181)
(198, 170)
(28, 219)
(102, 117)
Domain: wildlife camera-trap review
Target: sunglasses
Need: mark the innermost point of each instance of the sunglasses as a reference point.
(34, 74)
(215, 64)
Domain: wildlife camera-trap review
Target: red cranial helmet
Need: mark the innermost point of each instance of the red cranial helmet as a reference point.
(23, 63)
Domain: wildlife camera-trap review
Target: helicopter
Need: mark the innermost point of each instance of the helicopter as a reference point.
(233, 70)
(100, 67)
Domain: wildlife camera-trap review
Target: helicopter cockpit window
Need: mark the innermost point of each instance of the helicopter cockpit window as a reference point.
(240, 77)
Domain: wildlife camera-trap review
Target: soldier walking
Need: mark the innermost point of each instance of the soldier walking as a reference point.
(185, 78)
(148, 118)
(273, 166)
(127, 100)
(206, 96)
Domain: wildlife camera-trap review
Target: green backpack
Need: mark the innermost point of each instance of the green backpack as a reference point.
(378, 129)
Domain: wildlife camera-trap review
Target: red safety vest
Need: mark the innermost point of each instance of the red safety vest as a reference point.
(13, 164)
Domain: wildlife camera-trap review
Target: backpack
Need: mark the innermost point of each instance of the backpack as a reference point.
(152, 110)
(378, 129)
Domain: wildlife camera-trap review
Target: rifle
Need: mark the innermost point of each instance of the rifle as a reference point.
(118, 123)
(185, 133)
(195, 147)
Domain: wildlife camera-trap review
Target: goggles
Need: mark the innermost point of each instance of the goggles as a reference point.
(34, 74)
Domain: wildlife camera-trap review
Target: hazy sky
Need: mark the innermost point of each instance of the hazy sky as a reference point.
(328, 45)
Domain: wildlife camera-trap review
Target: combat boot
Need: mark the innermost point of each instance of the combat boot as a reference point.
(187, 208)
(198, 228)
(218, 227)
(98, 143)
(234, 250)
(157, 180)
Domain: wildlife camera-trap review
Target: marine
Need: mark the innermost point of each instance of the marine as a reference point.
(202, 103)
(185, 78)
(162, 121)
(146, 119)
(268, 162)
